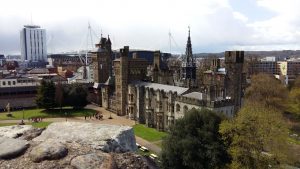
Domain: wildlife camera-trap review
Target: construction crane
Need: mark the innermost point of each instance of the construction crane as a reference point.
(83, 54)
(171, 39)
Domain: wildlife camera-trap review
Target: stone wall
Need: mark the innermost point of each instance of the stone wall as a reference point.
(17, 102)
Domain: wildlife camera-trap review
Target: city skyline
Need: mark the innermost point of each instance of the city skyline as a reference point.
(216, 25)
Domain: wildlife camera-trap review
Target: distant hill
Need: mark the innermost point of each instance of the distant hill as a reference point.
(280, 54)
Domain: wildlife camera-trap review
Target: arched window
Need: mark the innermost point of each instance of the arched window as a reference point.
(185, 109)
(177, 107)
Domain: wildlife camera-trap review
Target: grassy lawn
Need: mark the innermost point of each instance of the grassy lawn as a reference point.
(36, 125)
(7, 124)
(149, 134)
(46, 113)
(40, 124)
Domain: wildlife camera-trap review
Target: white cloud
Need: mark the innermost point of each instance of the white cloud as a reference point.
(215, 25)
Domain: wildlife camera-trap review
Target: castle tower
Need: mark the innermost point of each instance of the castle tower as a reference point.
(102, 60)
(156, 66)
(188, 67)
(121, 76)
(234, 61)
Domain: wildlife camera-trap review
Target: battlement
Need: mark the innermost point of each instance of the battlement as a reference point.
(124, 51)
(234, 57)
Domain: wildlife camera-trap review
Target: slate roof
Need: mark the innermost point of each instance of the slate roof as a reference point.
(195, 95)
(166, 88)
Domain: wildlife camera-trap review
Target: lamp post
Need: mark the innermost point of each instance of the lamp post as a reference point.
(66, 116)
(23, 112)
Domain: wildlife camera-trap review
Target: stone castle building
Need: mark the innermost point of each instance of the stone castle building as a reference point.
(146, 92)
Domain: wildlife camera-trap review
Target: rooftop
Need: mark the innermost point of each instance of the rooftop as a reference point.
(195, 95)
(166, 88)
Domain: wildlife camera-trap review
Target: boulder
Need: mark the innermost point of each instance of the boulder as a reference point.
(91, 161)
(108, 138)
(14, 131)
(11, 148)
(131, 160)
(31, 134)
(48, 150)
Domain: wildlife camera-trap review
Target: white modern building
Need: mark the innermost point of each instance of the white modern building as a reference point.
(33, 43)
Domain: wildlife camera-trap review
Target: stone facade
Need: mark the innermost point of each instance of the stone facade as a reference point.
(235, 79)
(127, 70)
(102, 60)
(146, 92)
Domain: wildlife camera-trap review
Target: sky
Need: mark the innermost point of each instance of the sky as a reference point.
(216, 25)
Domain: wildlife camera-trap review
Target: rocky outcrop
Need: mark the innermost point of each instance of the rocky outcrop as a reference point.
(71, 145)
(91, 161)
(132, 161)
(11, 148)
(48, 150)
(108, 138)
(31, 134)
(14, 131)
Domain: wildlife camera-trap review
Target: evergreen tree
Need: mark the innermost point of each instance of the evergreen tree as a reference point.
(77, 96)
(46, 95)
(59, 95)
(194, 142)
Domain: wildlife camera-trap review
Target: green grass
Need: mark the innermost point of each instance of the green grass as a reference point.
(31, 113)
(149, 134)
(294, 141)
(36, 125)
(7, 124)
(140, 152)
(41, 124)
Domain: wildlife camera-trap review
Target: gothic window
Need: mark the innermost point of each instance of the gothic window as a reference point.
(160, 105)
(185, 109)
(131, 97)
(177, 107)
(167, 106)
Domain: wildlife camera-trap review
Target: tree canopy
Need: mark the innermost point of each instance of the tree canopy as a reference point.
(266, 90)
(194, 142)
(77, 96)
(46, 95)
(51, 96)
(256, 137)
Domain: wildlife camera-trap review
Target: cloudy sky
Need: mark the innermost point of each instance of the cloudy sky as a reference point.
(216, 25)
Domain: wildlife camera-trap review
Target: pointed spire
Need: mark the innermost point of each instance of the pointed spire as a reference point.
(108, 40)
(188, 53)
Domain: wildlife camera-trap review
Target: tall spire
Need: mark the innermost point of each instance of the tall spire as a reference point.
(108, 40)
(188, 52)
(188, 74)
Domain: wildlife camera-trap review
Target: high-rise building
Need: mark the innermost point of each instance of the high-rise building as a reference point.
(33, 43)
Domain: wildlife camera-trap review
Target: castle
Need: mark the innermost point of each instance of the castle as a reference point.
(147, 92)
